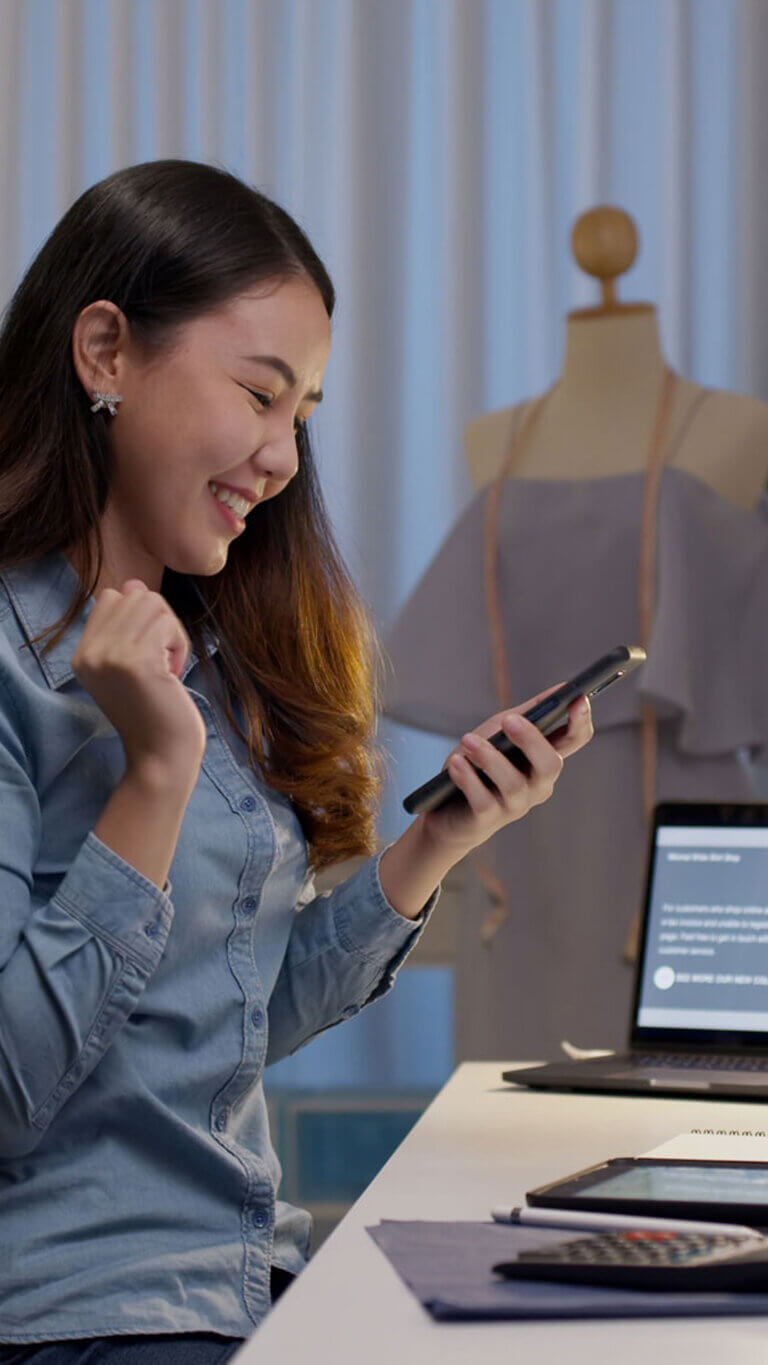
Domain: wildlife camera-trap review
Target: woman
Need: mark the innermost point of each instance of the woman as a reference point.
(187, 685)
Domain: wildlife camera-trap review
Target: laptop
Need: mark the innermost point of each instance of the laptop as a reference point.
(699, 1022)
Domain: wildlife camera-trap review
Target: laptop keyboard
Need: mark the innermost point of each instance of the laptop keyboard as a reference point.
(700, 1061)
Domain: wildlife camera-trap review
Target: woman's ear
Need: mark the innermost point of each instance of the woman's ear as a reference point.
(99, 338)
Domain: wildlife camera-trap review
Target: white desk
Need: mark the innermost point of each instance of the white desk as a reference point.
(482, 1143)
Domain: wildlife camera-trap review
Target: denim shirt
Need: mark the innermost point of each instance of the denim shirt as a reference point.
(138, 1184)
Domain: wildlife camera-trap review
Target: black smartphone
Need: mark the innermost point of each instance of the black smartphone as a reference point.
(547, 715)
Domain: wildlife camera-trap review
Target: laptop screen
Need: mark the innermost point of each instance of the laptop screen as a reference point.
(704, 961)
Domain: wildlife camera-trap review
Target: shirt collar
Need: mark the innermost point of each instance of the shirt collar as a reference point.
(41, 591)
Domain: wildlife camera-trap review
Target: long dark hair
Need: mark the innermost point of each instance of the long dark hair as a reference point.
(166, 241)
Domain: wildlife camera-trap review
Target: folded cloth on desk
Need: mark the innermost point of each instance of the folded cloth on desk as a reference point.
(448, 1267)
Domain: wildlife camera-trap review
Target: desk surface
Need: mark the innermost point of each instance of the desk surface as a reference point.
(482, 1143)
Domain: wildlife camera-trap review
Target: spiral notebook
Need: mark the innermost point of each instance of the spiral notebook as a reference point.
(714, 1144)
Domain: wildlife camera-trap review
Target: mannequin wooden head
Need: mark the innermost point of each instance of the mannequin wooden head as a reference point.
(599, 415)
(604, 244)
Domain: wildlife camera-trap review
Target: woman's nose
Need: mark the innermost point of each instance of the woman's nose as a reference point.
(277, 457)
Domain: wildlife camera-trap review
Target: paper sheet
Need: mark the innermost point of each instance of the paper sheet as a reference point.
(583, 1054)
(715, 1144)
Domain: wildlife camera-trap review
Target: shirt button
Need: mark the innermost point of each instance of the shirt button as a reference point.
(249, 905)
(257, 1016)
(152, 929)
(260, 1218)
(248, 803)
(220, 1122)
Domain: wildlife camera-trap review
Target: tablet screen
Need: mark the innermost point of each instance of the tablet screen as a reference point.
(698, 1184)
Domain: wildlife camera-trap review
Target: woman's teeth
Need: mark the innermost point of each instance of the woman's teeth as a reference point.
(238, 504)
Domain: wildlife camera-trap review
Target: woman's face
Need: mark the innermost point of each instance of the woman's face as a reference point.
(221, 405)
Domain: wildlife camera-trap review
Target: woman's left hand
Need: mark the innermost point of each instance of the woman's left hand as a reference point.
(458, 828)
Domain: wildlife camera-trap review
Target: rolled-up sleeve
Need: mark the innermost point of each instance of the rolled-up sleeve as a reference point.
(344, 951)
(71, 969)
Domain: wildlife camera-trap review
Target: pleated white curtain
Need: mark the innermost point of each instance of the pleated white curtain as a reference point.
(437, 152)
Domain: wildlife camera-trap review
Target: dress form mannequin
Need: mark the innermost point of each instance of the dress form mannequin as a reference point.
(598, 418)
(618, 466)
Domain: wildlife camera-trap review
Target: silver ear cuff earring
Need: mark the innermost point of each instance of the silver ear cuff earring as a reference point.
(106, 400)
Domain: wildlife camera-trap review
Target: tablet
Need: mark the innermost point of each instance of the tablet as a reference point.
(716, 1191)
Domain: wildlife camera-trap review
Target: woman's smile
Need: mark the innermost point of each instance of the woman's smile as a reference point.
(233, 520)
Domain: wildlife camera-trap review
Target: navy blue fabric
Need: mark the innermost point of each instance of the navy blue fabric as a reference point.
(449, 1268)
(199, 1348)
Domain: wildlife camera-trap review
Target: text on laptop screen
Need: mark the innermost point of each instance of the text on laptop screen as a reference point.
(706, 949)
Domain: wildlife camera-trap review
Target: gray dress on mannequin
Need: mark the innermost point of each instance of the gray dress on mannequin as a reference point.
(574, 868)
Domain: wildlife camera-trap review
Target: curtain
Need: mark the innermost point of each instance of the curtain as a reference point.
(437, 152)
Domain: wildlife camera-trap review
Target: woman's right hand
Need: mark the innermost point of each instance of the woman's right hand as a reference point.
(130, 659)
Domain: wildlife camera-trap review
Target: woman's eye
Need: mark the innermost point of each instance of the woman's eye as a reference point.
(265, 401)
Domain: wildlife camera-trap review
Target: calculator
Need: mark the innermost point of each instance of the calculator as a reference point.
(649, 1260)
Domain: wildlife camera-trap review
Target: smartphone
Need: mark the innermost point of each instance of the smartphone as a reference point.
(546, 715)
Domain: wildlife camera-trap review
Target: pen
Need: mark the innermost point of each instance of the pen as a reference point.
(599, 1222)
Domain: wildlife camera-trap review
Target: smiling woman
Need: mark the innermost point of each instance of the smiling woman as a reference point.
(202, 710)
(204, 306)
